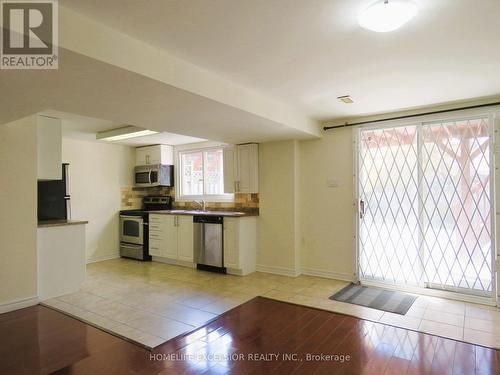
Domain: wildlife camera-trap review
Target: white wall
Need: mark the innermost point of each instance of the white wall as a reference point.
(18, 217)
(97, 173)
(327, 214)
(304, 225)
(278, 228)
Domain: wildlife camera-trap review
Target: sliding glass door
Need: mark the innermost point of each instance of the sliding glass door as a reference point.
(425, 205)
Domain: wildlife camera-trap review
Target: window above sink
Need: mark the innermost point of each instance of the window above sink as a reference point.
(200, 174)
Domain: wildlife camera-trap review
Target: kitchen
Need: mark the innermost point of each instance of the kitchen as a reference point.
(180, 234)
(153, 224)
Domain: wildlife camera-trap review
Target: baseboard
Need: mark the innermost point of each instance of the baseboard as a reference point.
(175, 262)
(18, 304)
(283, 271)
(103, 258)
(234, 271)
(328, 274)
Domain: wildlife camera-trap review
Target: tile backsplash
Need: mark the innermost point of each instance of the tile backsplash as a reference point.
(241, 201)
(131, 198)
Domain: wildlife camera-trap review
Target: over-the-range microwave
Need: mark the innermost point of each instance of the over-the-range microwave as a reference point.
(154, 175)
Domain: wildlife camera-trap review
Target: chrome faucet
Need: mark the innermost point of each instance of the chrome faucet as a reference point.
(201, 203)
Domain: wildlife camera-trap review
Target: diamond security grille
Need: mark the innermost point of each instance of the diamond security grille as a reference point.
(425, 190)
(388, 186)
(457, 204)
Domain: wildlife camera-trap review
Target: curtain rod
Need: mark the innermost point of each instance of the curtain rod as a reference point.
(346, 125)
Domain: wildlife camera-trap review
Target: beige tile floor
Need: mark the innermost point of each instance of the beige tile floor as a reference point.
(150, 302)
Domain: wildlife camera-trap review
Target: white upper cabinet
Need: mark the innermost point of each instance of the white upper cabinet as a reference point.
(157, 154)
(241, 168)
(49, 148)
(229, 169)
(248, 168)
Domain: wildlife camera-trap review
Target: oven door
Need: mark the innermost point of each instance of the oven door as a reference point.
(132, 229)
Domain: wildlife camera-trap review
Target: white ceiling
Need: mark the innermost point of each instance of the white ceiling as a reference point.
(86, 128)
(306, 53)
(92, 88)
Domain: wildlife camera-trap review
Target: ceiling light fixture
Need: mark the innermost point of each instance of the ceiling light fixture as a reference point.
(123, 133)
(346, 99)
(387, 15)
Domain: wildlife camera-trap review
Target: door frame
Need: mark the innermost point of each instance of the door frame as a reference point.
(493, 115)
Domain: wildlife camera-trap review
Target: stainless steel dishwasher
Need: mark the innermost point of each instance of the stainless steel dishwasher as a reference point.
(208, 243)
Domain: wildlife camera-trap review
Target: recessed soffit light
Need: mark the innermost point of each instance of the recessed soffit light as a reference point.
(387, 15)
(123, 133)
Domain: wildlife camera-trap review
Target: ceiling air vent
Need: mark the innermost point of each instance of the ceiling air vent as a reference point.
(346, 99)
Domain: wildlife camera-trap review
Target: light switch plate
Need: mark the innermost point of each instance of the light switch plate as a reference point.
(332, 183)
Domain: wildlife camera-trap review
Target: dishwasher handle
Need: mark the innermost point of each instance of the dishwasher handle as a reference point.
(208, 219)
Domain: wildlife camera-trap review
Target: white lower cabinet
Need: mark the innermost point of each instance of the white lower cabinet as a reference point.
(171, 240)
(154, 247)
(185, 238)
(169, 243)
(240, 244)
(155, 235)
(230, 243)
(171, 237)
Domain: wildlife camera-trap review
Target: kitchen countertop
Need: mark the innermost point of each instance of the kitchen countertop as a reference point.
(206, 213)
(59, 223)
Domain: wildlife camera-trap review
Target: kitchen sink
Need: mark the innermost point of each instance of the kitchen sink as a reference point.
(198, 212)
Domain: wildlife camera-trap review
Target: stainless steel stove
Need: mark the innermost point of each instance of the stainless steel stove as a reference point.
(134, 224)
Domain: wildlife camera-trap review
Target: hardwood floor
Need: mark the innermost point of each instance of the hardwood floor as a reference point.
(261, 336)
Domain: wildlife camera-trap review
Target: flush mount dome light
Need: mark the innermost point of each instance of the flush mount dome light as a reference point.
(387, 15)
